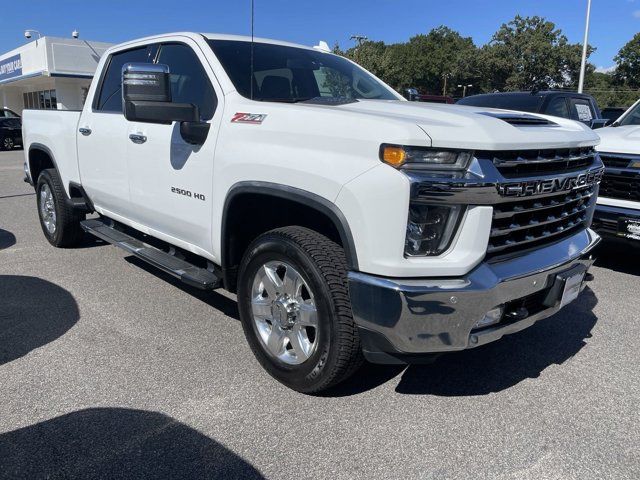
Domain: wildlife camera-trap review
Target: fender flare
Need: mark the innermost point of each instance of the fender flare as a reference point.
(312, 200)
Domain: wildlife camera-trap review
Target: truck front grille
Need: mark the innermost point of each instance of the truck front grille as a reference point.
(526, 163)
(620, 180)
(533, 222)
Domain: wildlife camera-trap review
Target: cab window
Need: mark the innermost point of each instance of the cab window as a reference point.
(110, 98)
(189, 80)
(558, 108)
(581, 110)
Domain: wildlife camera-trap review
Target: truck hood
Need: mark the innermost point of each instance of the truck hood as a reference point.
(625, 139)
(477, 128)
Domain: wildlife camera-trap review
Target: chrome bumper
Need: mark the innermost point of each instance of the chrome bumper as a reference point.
(606, 217)
(400, 319)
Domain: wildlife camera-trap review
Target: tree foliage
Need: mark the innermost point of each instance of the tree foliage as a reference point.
(526, 53)
(530, 53)
(628, 63)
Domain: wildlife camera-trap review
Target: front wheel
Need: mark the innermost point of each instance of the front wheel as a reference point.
(294, 305)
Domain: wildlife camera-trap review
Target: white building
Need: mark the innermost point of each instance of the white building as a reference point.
(49, 73)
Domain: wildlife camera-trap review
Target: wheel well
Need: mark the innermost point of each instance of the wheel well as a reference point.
(39, 160)
(248, 215)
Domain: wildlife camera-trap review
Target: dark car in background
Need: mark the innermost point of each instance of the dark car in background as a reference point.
(413, 95)
(10, 129)
(576, 106)
(612, 113)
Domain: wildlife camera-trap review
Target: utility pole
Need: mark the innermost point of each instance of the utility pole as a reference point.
(585, 45)
(359, 39)
(464, 89)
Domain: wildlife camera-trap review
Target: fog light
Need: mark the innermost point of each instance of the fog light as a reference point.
(430, 228)
(492, 317)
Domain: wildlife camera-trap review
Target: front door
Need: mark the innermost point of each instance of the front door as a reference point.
(102, 139)
(170, 180)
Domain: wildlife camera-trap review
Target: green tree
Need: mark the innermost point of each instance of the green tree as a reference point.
(628, 63)
(530, 53)
(424, 62)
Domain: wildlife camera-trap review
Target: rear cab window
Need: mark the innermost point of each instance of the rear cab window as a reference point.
(582, 110)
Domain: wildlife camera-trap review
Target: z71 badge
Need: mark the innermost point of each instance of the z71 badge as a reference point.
(254, 118)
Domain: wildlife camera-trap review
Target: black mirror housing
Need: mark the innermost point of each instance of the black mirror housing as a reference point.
(146, 93)
(194, 133)
(160, 112)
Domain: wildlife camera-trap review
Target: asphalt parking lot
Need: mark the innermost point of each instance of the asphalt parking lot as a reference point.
(109, 369)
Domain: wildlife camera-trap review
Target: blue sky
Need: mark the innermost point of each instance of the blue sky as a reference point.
(614, 22)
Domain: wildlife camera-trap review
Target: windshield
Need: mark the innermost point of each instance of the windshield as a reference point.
(633, 117)
(522, 103)
(6, 113)
(290, 74)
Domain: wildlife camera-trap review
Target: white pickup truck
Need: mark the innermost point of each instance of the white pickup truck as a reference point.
(351, 223)
(618, 211)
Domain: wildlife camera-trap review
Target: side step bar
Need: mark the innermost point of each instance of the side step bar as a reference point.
(185, 271)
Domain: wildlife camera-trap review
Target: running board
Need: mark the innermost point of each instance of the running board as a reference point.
(181, 269)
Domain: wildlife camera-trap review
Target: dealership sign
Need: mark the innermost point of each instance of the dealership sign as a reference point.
(10, 67)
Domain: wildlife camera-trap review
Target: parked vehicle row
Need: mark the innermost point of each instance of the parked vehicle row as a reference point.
(576, 106)
(10, 129)
(618, 210)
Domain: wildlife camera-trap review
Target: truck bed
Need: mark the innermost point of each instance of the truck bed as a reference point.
(54, 131)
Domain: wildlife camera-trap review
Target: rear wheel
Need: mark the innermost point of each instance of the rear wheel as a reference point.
(60, 223)
(295, 310)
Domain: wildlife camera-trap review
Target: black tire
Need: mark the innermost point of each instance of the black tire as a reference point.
(67, 231)
(323, 266)
(2, 143)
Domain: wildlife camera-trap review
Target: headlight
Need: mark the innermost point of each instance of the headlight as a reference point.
(430, 229)
(426, 158)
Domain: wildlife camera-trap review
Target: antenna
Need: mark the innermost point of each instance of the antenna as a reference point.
(252, 29)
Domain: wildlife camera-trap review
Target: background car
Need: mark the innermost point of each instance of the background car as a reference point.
(612, 113)
(10, 129)
(413, 95)
(576, 106)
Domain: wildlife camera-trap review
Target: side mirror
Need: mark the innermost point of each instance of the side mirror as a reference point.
(146, 93)
(411, 94)
(598, 123)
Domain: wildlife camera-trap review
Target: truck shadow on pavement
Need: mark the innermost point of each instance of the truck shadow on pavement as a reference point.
(7, 239)
(33, 312)
(616, 256)
(117, 443)
(214, 299)
(493, 367)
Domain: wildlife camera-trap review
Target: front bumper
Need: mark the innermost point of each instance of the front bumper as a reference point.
(401, 320)
(607, 217)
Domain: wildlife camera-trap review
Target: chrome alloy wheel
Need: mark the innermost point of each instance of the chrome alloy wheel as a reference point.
(8, 143)
(284, 312)
(47, 209)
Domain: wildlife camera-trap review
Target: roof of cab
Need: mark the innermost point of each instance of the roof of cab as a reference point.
(244, 38)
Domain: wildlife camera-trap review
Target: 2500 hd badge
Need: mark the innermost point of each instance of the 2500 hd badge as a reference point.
(188, 193)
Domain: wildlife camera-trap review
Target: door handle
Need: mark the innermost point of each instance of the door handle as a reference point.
(85, 131)
(137, 138)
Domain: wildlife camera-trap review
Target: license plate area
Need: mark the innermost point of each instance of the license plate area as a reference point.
(566, 286)
(629, 228)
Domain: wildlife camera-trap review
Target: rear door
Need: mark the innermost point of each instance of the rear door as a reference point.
(171, 180)
(102, 138)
